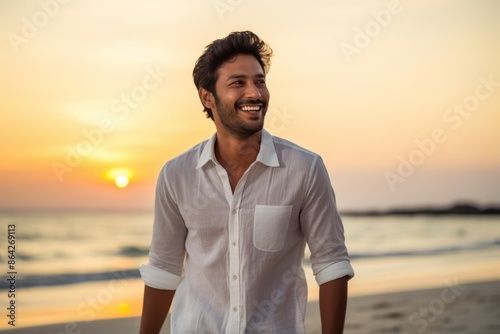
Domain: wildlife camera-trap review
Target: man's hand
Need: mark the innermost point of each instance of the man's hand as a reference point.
(332, 305)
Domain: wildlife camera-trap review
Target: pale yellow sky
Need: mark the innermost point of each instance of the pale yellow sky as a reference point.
(359, 84)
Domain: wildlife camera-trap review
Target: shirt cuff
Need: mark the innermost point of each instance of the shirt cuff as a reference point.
(159, 279)
(334, 271)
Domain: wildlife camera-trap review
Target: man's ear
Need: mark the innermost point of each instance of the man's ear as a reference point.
(206, 98)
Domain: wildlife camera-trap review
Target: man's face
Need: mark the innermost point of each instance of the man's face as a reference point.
(241, 96)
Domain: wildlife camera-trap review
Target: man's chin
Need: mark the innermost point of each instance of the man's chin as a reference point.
(256, 126)
(249, 131)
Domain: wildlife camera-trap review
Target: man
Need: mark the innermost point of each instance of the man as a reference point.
(233, 215)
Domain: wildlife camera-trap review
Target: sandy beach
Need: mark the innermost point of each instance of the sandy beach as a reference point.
(454, 308)
(418, 275)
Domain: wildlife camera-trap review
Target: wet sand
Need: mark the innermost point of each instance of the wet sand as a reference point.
(453, 308)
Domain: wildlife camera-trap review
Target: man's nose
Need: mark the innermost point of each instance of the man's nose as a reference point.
(252, 91)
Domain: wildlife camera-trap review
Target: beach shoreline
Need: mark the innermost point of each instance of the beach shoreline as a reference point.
(470, 307)
(94, 280)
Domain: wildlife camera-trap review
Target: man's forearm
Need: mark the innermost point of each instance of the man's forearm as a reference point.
(155, 309)
(332, 305)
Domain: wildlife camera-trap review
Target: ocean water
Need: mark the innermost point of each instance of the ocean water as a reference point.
(55, 249)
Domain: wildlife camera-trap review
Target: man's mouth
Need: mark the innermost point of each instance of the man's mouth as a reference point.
(250, 108)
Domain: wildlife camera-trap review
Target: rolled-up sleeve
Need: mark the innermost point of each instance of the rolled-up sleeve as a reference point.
(323, 228)
(167, 249)
(158, 278)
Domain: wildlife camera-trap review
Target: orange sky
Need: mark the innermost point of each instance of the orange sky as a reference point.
(400, 98)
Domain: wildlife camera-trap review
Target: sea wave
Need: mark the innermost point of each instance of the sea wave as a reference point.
(421, 252)
(133, 251)
(28, 281)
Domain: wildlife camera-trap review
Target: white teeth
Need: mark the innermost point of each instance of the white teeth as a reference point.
(250, 108)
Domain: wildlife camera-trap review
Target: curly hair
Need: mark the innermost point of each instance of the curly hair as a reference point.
(205, 72)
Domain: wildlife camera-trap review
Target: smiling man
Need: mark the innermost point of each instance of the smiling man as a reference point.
(234, 213)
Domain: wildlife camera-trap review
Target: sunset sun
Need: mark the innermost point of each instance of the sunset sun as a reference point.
(120, 176)
(121, 181)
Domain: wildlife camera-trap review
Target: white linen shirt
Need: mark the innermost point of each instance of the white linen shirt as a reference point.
(235, 258)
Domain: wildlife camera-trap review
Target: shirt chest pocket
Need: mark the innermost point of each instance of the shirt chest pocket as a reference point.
(270, 226)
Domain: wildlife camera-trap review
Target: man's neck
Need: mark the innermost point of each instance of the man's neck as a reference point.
(237, 154)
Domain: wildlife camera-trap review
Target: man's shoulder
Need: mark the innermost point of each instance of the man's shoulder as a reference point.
(188, 159)
(286, 148)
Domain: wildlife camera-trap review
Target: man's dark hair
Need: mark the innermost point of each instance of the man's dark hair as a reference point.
(205, 71)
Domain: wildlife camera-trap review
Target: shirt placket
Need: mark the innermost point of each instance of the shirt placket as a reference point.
(235, 302)
(235, 296)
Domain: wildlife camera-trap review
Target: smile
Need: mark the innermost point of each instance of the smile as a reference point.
(251, 108)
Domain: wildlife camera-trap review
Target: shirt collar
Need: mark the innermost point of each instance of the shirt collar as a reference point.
(267, 153)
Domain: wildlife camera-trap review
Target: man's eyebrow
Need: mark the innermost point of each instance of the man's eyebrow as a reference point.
(244, 76)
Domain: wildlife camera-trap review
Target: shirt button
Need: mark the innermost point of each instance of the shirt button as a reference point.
(235, 277)
(235, 309)
(234, 243)
(234, 211)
